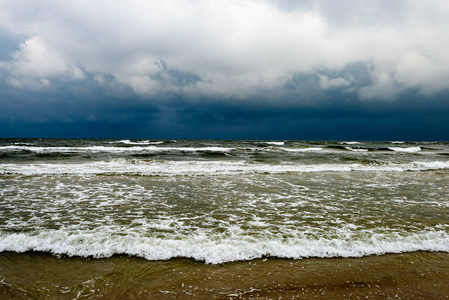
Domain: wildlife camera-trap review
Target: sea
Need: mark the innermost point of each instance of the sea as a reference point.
(214, 203)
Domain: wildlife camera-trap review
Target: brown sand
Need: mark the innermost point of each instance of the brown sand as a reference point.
(419, 275)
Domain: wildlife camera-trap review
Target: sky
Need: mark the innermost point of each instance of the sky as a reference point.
(225, 69)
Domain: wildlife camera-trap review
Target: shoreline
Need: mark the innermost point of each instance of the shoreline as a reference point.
(415, 275)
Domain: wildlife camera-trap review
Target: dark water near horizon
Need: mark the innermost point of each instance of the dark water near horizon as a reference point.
(223, 201)
(211, 219)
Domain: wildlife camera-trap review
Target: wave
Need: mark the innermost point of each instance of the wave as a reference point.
(276, 143)
(357, 149)
(304, 149)
(337, 147)
(153, 149)
(148, 146)
(112, 149)
(405, 149)
(129, 142)
(218, 249)
(432, 165)
(350, 143)
(212, 168)
(23, 144)
(384, 149)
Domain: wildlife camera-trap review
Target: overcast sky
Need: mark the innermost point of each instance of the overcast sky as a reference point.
(252, 69)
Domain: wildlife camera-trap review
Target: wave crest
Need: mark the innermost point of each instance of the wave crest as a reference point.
(215, 250)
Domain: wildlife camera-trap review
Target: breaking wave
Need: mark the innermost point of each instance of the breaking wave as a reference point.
(174, 168)
(216, 249)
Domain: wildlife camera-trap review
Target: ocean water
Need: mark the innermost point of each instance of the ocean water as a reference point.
(217, 201)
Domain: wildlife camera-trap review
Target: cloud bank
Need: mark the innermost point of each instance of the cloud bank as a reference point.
(229, 48)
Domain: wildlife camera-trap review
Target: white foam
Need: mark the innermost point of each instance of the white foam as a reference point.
(350, 143)
(174, 168)
(129, 142)
(23, 144)
(405, 149)
(122, 141)
(275, 143)
(356, 149)
(150, 148)
(432, 165)
(115, 149)
(74, 149)
(309, 149)
(153, 147)
(219, 249)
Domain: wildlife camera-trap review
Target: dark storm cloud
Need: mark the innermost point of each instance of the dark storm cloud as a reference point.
(341, 116)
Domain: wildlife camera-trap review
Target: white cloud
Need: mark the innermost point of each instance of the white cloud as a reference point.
(45, 82)
(99, 78)
(427, 72)
(331, 83)
(236, 47)
(77, 73)
(141, 84)
(36, 59)
(384, 87)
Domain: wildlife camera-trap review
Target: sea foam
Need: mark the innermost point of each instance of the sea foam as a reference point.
(216, 249)
(173, 168)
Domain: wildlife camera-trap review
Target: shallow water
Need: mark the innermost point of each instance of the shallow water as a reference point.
(223, 201)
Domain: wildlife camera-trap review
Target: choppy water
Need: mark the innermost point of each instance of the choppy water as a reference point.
(222, 201)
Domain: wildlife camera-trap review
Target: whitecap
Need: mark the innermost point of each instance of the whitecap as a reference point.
(275, 143)
(129, 142)
(405, 149)
(113, 149)
(432, 165)
(309, 149)
(212, 168)
(357, 149)
(219, 249)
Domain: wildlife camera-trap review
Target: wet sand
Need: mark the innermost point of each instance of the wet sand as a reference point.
(31, 275)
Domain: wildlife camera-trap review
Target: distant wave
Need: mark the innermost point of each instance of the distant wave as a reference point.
(304, 149)
(23, 144)
(150, 147)
(193, 168)
(357, 149)
(275, 143)
(129, 142)
(154, 147)
(405, 149)
(113, 149)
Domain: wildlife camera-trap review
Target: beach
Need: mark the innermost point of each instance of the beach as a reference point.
(419, 275)
(223, 219)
